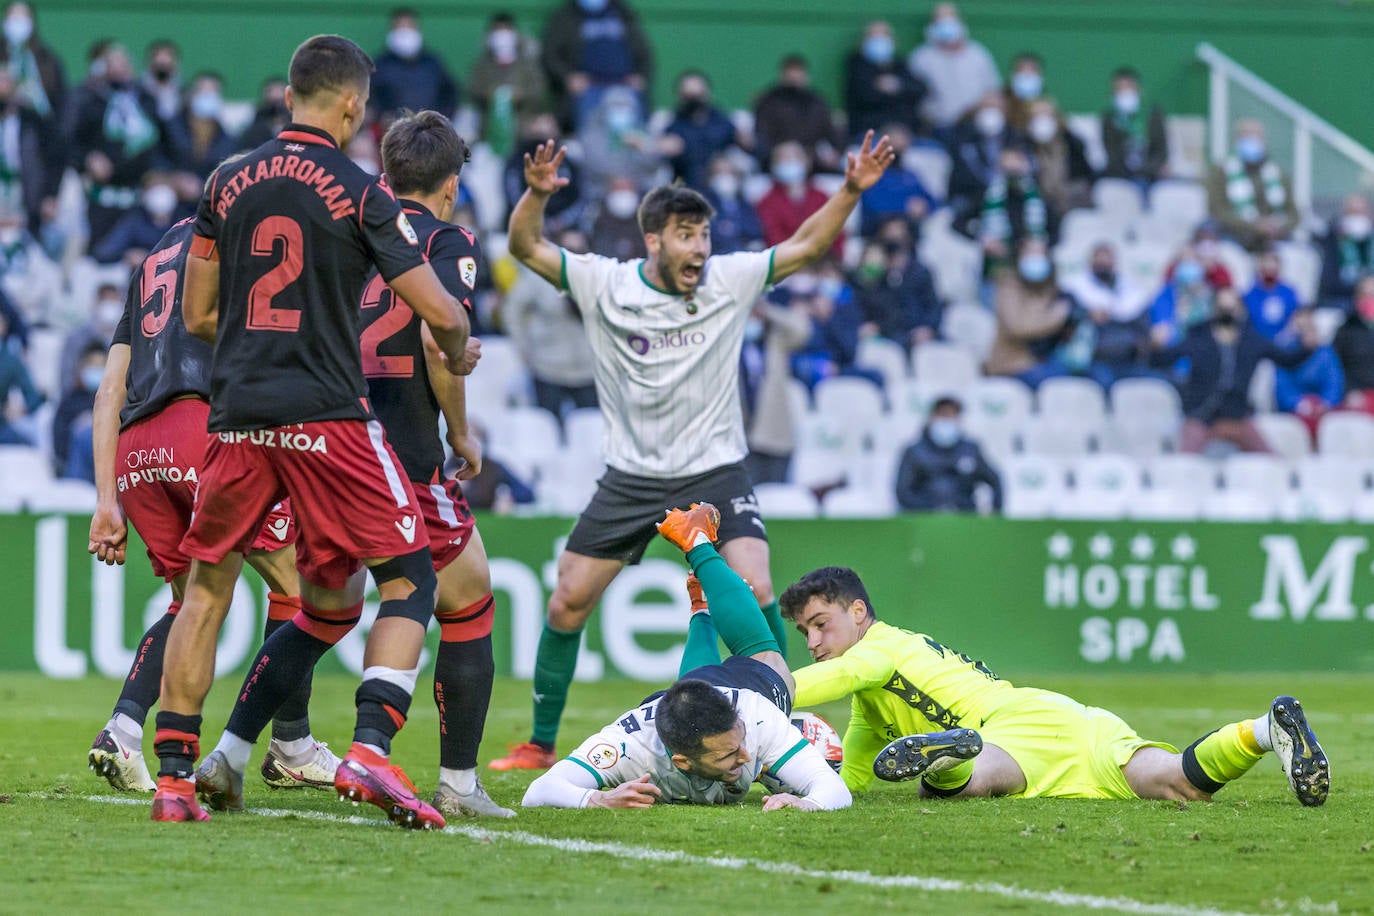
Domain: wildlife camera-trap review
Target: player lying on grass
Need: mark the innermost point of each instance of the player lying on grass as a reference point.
(708, 736)
(914, 700)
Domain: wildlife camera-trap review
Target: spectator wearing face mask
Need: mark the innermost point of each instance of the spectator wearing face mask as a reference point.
(32, 159)
(1010, 211)
(1249, 195)
(95, 332)
(835, 325)
(1270, 302)
(1186, 297)
(410, 77)
(1354, 346)
(563, 210)
(507, 82)
(976, 159)
(774, 332)
(698, 132)
(616, 144)
(71, 423)
(1025, 86)
(1118, 311)
(16, 425)
(899, 192)
(198, 140)
(792, 198)
(1206, 248)
(161, 77)
(790, 111)
(1031, 311)
(1222, 354)
(28, 277)
(942, 470)
(270, 115)
(879, 89)
(590, 45)
(37, 70)
(1134, 136)
(736, 226)
(956, 70)
(615, 231)
(896, 294)
(1062, 169)
(1347, 254)
(139, 230)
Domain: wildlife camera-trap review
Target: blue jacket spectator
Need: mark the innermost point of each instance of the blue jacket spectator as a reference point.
(879, 89)
(941, 470)
(409, 76)
(899, 192)
(1347, 254)
(697, 133)
(736, 225)
(592, 44)
(1270, 302)
(836, 321)
(14, 376)
(139, 230)
(1321, 376)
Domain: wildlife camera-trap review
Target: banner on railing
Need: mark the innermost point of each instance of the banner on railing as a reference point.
(1025, 596)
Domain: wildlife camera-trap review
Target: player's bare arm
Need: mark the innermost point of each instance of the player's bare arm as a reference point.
(200, 297)
(451, 393)
(815, 236)
(637, 793)
(421, 289)
(526, 230)
(109, 532)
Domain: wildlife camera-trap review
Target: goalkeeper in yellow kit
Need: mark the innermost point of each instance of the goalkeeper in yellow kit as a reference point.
(923, 710)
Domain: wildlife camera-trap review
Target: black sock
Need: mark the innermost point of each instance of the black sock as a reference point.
(278, 670)
(292, 720)
(177, 744)
(382, 710)
(945, 791)
(144, 684)
(463, 674)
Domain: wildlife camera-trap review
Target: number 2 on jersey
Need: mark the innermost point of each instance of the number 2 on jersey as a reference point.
(262, 314)
(392, 321)
(154, 282)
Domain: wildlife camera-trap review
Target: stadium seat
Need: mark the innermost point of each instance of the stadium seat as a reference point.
(1255, 473)
(1144, 260)
(1286, 435)
(949, 366)
(1059, 436)
(1326, 322)
(528, 439)
(932, 165)
(857, 502)
(1238, 262)
(1032, 486)
(1167, 504)
(1147, 399)
(971, 326)
(993, 400)
(1301, 268)
(1081, 229)
(1118, 201)
(1262, 388)
(1182, 472)
(1138, 438)
(1079, 398)
(1346, 433)
(875, 468)
(45, 361)
(1105, 487)
(1183, 203)
(1240, 506)
(1162, 231)
(887, 357)
(827, 451)
(785, 500)
(955, 262)
(1316, 506)
(22, 468)
(502, 367)
(583, 429)
(75, 496)
(850, 402)
(1344, 477)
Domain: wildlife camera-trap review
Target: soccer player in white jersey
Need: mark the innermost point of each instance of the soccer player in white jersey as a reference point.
(719, 727)
(666, 332)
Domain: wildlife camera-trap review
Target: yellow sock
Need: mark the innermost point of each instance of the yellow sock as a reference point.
(1226, 754)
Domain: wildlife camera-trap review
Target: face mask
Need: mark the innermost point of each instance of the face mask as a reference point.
(871, 272)
(108, 313)
(621, 118)
(504, 43)
(1027, 85)
(404, 42)
(790, 171)
(1225, 319)
(830, 287)
(1356, 226)
(989, 121)
(1034, 268)
(946, 31)
(98, 69)
(622, 204)
(1188, 273)
(1042, 128)
(18, 29)
(1250, 149)
(1127, 101)
(725, 186)
(160, 200)
(1269, 276)
(878, 49)
(206, 105)
(944, 431)
(592, 6)
(90, 377)
(163, 74)
(691, 104)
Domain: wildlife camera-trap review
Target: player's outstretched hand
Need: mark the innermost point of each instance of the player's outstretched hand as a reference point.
(464, 364)
(541, 169)
(865, 167)
(787, 800)
(109, 535)
(637, 793)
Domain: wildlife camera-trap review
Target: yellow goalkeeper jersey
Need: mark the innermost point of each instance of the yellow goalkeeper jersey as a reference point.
(902, 683)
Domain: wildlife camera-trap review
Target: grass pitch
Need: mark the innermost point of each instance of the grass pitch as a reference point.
(67, 841)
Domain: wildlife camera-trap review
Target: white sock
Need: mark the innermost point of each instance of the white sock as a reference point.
(461, 781)
(127, 730)
(377, 750)
(700, 539)
(235, 750)
(1260, 727)
(296, 748)
(403, 679)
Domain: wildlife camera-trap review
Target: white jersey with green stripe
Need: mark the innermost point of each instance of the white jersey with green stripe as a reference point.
(667, 366)
(630, 748)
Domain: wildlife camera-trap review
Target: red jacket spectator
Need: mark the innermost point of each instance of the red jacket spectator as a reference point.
(782, 214)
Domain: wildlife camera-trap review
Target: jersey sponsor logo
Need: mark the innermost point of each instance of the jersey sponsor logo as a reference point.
(278, 438)
(145, 457)
(745, 505)
(279, 527)
(155, 475)
(408, 231)
(671, 341)
(407, 528)
(309, 173)
(467, 272)
(603, 756)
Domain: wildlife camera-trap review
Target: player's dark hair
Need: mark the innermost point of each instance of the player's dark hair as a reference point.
(691, 710)
(404, 12)
(501, 18)
(663, 203)
(1028, 57)
(1126, 73)
(420, 151)
(834, 584)
(327, 63)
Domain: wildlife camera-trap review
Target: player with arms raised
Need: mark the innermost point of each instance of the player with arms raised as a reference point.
(283, 243)
(666, 333)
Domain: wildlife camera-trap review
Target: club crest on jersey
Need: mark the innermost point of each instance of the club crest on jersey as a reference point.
(403, 225)
(467, 271)
(603, 756)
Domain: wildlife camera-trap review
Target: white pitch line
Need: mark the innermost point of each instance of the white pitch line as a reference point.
(678, 857)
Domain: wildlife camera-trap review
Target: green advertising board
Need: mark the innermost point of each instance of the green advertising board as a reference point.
(1025, 596)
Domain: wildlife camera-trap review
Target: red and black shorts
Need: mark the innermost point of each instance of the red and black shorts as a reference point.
(349, 497)
(159, 463)
(447, 517)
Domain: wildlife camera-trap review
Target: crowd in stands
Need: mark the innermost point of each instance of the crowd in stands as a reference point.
(1005, 239)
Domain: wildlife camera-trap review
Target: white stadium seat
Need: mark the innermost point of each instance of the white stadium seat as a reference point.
(1118, 200)
(786, 500)
(1182, 472)
(1064, 437)
(887, 357)
(1240, 506)
(970, 326)
(1346, 433)
(1335, 474)
(1033, 486)
(994, 400)
(1286, 435)
(1105, 487)
(527, 438)
(1079, 398)
(1168, 504)
(1247, 472)
(75, 496)
(948, 366)
(859, 502)
(1301, 268)
(932, 165)
(850, 402)
(1183, 203)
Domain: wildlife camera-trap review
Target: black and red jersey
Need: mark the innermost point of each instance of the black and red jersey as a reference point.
(393, 351)
(296, 226)
(165, 361)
